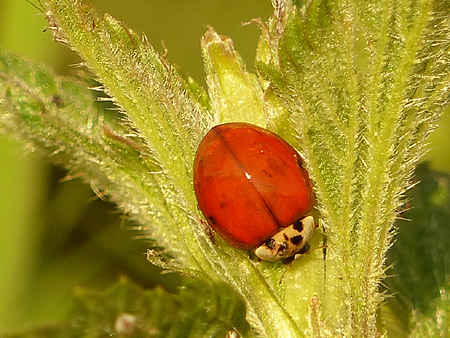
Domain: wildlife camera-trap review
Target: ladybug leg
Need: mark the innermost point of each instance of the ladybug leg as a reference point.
(323, 246)
(209, 230)
(306, 250)
(286, 270)
(290, 260)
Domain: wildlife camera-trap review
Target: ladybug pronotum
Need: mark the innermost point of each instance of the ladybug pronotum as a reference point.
(252, 189)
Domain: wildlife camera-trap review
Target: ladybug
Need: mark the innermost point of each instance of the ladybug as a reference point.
(252, 188)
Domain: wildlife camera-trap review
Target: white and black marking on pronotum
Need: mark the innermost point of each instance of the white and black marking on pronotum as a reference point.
(288, 242)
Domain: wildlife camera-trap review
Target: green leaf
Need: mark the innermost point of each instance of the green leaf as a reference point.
(60, 117)
(364, 86)
(236, 95)
(126, 310)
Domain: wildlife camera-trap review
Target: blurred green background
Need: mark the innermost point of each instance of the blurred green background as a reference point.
(53, 235)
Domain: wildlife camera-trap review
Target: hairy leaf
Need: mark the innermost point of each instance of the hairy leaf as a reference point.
(363, 84)
(126, 310)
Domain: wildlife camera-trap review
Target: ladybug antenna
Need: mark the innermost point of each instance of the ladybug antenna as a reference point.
(288, 267)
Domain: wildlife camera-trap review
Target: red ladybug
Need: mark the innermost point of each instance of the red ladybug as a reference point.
(250, 184)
